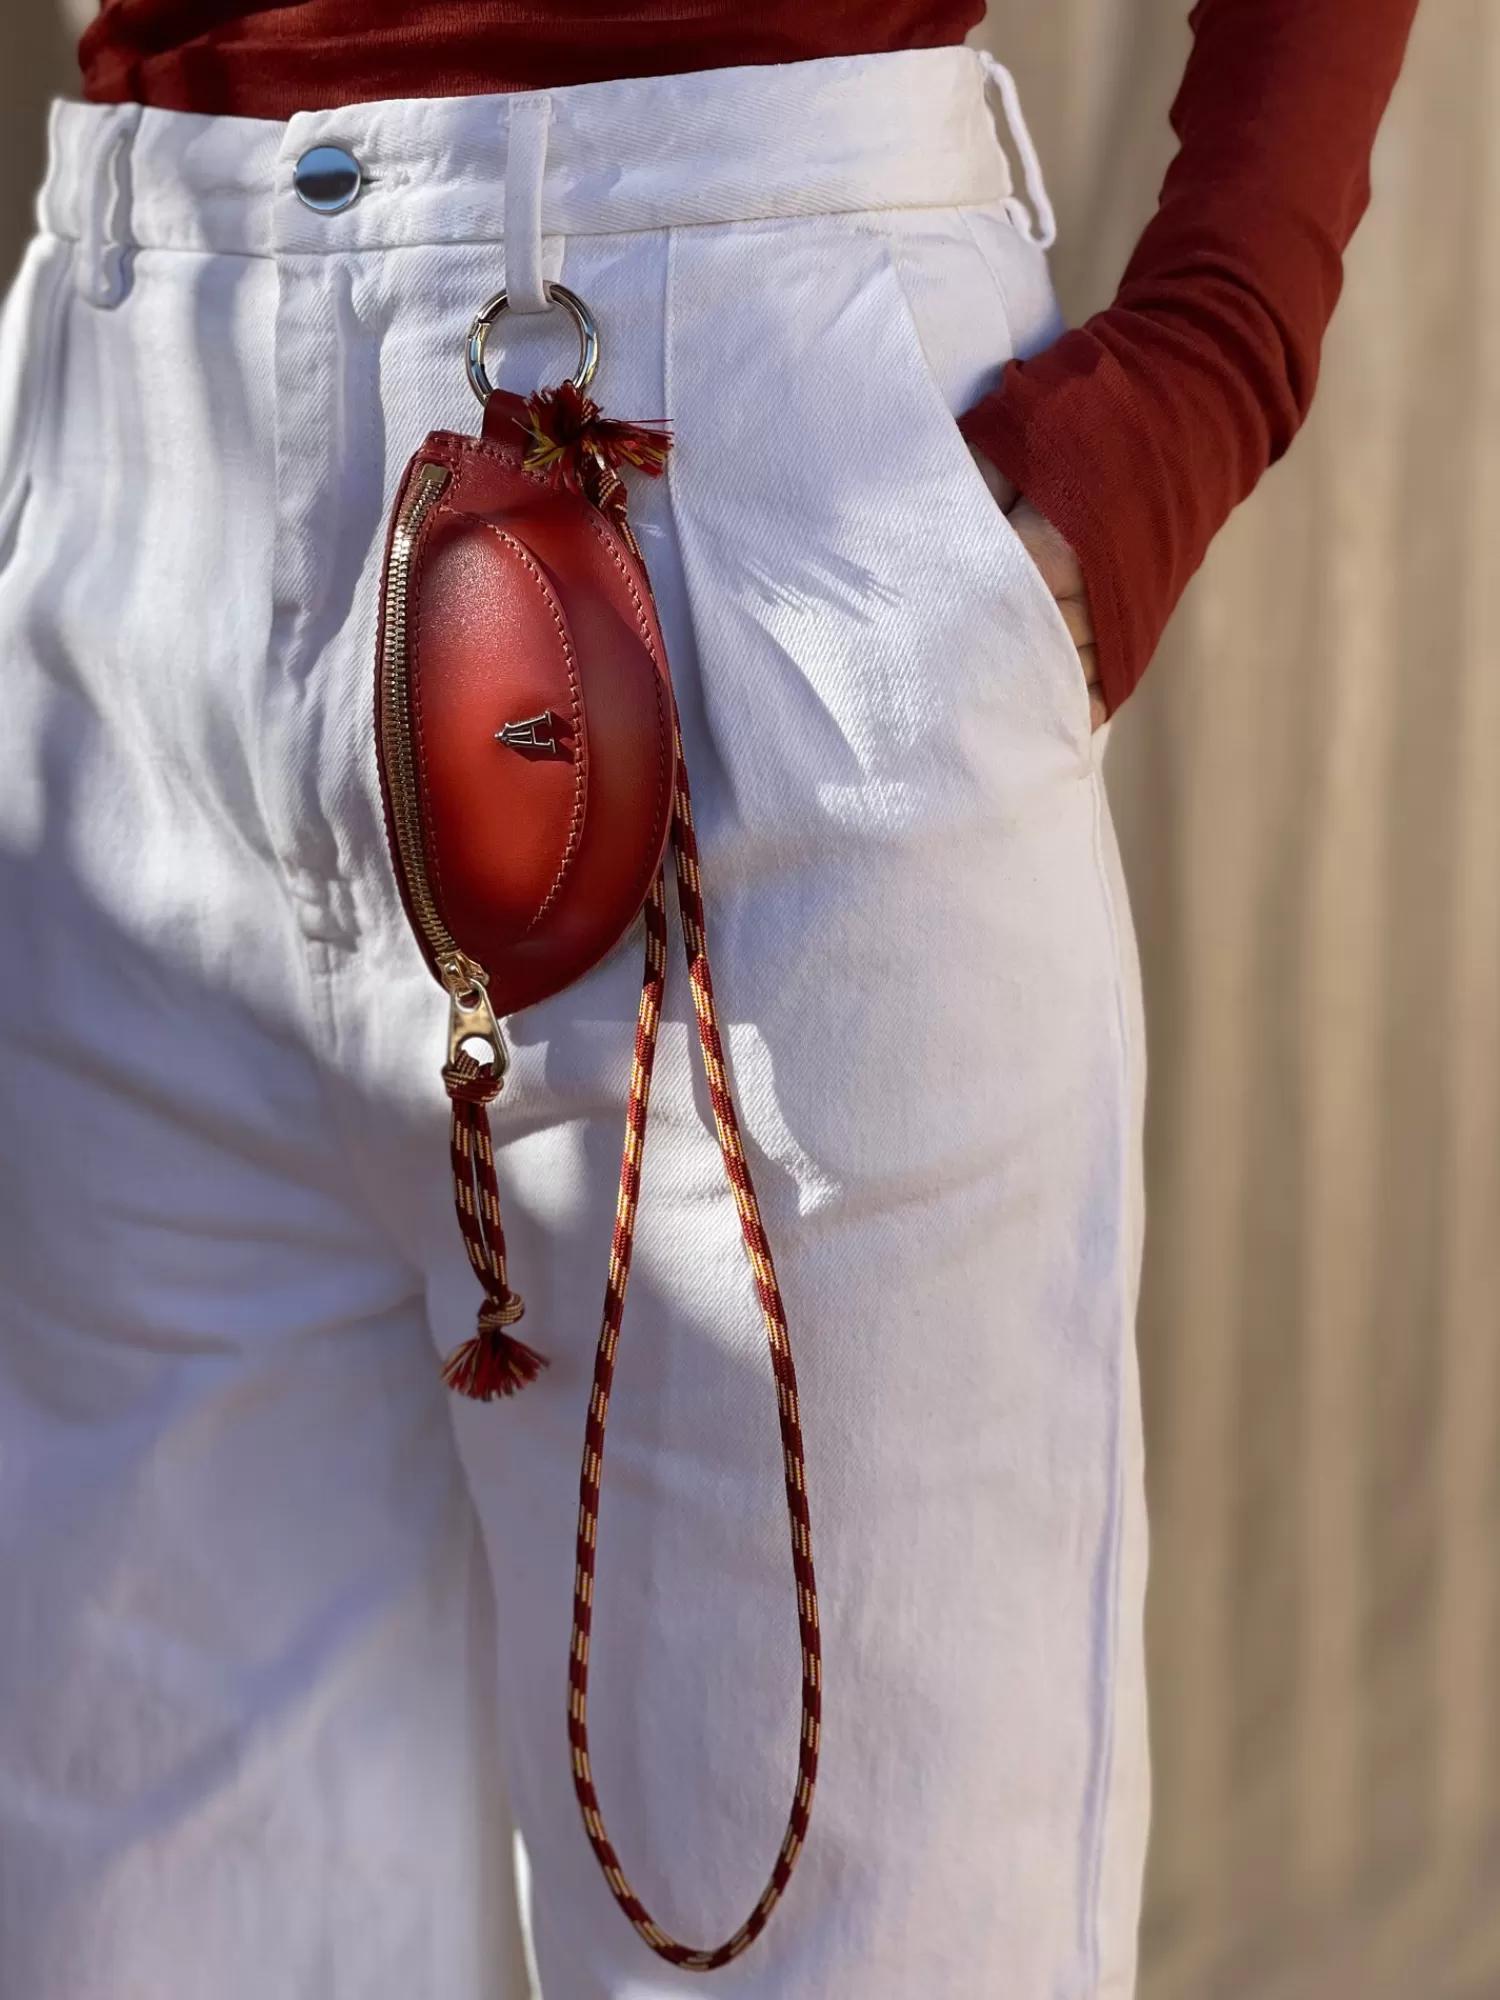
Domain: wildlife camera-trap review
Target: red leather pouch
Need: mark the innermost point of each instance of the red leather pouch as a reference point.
(524, 720)
(532, 777)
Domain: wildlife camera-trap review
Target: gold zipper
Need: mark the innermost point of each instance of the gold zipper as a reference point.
(470, 1016)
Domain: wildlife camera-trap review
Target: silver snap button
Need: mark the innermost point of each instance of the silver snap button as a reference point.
(328, 179)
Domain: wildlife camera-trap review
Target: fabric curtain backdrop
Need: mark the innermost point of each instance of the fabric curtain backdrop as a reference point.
(1303, 789)
(1306, 800)
(35, 61)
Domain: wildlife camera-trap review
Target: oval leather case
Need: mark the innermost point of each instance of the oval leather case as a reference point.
(524, 715)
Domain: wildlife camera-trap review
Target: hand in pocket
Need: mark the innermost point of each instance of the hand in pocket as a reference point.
(1060, 571)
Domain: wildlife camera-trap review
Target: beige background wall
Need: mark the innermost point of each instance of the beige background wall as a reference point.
(35, 60)
(1305, 794)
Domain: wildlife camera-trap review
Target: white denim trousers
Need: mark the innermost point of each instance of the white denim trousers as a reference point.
(283, 1649)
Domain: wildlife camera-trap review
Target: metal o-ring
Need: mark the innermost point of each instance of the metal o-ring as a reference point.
(490, 311)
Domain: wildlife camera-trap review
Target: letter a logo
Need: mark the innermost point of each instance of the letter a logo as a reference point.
(536, 732)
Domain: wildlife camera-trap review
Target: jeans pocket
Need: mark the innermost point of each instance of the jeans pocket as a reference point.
(968, 315)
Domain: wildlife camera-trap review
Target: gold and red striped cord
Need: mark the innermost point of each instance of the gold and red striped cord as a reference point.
(773, 1314)
(493, 1362)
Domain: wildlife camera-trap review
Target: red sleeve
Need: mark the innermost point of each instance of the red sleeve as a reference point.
(1137, 433)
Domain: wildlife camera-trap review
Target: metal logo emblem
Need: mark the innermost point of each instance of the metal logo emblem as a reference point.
(536, 732)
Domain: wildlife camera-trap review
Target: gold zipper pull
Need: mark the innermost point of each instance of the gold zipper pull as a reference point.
(470, 1015)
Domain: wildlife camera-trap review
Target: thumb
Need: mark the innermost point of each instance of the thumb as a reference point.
(1004, 491)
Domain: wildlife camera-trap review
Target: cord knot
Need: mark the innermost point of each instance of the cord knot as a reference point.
(469, 1082)
(497, 1314)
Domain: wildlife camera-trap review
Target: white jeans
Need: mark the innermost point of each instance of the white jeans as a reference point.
(283, 1625)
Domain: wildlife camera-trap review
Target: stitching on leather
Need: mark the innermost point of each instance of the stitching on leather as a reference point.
(510, 457)
(663, 734)
(575, 830)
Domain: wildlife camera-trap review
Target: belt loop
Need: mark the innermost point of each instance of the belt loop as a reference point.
(525, 171)
(103, 271)
(1045, 233)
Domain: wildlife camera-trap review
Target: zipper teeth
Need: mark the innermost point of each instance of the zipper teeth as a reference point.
(399, 760)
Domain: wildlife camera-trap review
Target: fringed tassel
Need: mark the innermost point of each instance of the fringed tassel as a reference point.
(493, 1363)
(574, 443)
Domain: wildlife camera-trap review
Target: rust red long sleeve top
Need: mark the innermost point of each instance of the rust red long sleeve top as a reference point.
(1138, 432)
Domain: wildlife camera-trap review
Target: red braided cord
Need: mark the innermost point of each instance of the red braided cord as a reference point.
(737, 1170)
(494, 1362)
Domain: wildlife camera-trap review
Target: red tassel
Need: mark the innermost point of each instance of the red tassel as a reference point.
(494, 1363)
(577, 445)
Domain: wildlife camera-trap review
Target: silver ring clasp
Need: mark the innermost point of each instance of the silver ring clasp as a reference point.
(490, 311)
